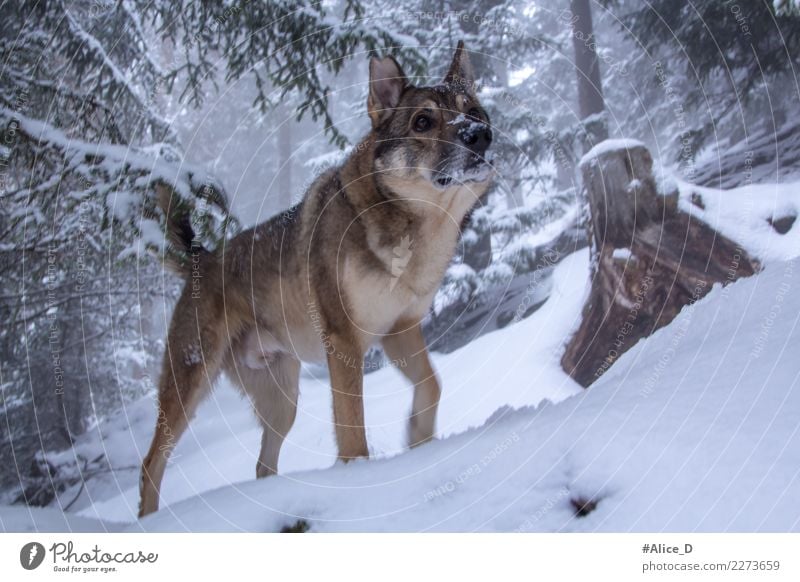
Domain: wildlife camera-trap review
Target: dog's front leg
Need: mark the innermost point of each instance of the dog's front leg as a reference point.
(345, 363)
(405, 346)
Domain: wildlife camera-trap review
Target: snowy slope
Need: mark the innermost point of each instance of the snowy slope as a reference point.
(38, 519)
(518, 366)
(743, 214)
(694, 429)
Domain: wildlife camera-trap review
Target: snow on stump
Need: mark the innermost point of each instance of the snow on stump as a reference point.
(648, 259)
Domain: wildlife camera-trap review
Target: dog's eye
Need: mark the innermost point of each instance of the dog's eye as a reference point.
(422, 123)
(474, 113)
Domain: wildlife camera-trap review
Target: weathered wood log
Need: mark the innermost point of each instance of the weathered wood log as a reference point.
(648, 259)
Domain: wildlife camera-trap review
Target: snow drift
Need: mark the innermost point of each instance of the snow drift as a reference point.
(694, 429)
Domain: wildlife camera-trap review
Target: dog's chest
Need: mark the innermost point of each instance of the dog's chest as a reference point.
(413, 267)
(374, 301)
(430, 251)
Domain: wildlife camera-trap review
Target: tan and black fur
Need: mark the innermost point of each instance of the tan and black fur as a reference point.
(325, 280)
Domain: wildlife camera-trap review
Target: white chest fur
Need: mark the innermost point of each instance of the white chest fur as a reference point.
(414, 267)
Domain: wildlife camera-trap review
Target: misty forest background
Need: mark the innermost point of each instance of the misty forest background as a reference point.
(241, 104)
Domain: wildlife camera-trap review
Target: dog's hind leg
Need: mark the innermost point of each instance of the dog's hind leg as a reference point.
(406, 347)
(191, 363)
(273, 391)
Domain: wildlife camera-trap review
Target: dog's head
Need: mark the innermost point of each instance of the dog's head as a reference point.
(434, 136)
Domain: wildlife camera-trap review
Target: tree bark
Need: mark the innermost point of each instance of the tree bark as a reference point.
(590, 86)
(648, 260)
(285, 160)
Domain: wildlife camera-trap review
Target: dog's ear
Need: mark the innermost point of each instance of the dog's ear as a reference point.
(460, 72)
(386, 83)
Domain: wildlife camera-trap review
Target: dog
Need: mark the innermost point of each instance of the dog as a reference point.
(357, 262)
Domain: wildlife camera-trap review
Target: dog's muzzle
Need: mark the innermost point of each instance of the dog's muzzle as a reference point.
(465, 166)
(470, 161)
(477, 136)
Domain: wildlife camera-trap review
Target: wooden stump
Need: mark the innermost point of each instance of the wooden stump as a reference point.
(648, 259)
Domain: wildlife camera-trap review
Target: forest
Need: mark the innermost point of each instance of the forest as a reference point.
(647, 155)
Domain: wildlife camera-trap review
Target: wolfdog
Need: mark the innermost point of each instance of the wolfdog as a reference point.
(357, 262)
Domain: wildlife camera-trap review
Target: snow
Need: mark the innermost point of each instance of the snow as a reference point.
(516, 78)
(634, 185)
(460, 271)
(711, 445)
(222, 443)
(327, 160)
(37, 519)
(742, 214)
(610, 145)
(117, 160)
(533, 238)
(621, 254)
(460, 118)
(152, 235)
(693, 429)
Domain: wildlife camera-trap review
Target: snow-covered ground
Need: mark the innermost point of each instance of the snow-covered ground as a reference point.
(744, 214)
(695, 428)
(517, 367)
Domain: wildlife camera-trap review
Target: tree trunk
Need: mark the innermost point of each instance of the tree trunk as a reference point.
(590, 87)
(478, 254)
(284, 182)
(648, 260)
(565, 160)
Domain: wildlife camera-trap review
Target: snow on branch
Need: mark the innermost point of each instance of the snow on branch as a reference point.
(115, 181)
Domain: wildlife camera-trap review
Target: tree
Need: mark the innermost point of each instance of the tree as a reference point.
(292, 46)
(783, 7)
(84, 142)
(648, 259)
(285, 152)
(721, 57)
(591, 104)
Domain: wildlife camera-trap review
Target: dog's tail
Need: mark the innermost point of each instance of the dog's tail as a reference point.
(183, 246)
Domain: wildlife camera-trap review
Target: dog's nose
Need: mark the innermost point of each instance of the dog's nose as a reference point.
(477, 136)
